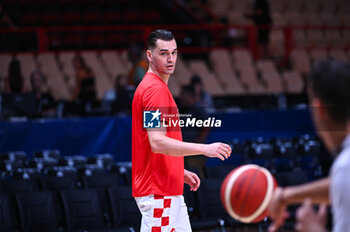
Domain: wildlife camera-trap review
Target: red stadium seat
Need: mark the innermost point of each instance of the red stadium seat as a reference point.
(50, 18)
(71, 18)
(132, 17)
(152, 17)
(92, 17)
(116, 40)
(55, 40)
(73, 40)
(29, 19)
(111, 17)
(95, 40)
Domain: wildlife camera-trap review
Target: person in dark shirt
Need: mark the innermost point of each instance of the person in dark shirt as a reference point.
(85, 81)
(262, 19)
(191, 107)
(121, 95)
(45, 102)
(14, 77)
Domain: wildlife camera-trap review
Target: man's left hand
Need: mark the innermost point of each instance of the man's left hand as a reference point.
(192, 180)
(310, 221)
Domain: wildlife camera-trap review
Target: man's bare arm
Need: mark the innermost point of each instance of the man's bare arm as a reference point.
(160, 143)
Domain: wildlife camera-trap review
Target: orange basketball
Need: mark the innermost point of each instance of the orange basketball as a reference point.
(246, 193)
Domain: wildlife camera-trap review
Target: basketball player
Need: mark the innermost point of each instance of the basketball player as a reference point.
(329, 100)
(158, 173)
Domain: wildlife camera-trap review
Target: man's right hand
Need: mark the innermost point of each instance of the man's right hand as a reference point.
(277, 210)
(218, 150)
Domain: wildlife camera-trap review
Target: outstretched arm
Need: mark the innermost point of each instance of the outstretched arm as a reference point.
(317, 191)
(160, 143)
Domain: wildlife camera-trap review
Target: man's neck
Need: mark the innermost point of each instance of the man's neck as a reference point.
(334, 140)
(164, 77)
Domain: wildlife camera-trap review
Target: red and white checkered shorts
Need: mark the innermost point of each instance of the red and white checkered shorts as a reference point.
(163, 214)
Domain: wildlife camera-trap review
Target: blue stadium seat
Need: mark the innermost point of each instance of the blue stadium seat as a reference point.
(126, 215)
(37, 212)
(9, 221)
(82, 210)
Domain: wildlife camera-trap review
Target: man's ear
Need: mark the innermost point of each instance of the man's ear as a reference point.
(319, 108)
(149, 55)
(322, 110)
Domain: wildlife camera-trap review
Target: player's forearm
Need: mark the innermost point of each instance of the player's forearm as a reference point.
(173, 147)
(317, 191)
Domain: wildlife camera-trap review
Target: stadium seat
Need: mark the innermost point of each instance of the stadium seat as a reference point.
(20, 182)
(37, 212)
(221, 10)
(95, 40)
(249, 79)
(116, 40)
(73, 40)
(66, 62)
(221, 62)
(208, 78)
(293, 82)
(113, 64)
(102, 80)
(283, 164)
(92, 15)
(338, 54)
(9, 220)
(242, 56)
(300, 61)
(101, 160)
(82, 210)
(71, 15)
(73, 161)
(182, 73)
(153, 17)
(316, 38)
(40, 164)
(266, 66)
(218, 172)
(60, 179)
(125, 211)
(112, 15)
(30, 18)
(5, 60)
(299, 38)
(124, 172)
(334, 39)
(276, 43)
(293, 6)
(212, 213)
(132, 16)
(311, 7)
(191, 200)
(312, 19)
(54, 78)
(28, 65)
(273, 82)
(318, 54)
(294, 18)
(48, 154)
(276, 6)
(291, 178)
(51, 14)
(13, 156)
(277, 17)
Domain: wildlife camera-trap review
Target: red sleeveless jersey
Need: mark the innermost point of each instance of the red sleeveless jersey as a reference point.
(154, 173)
